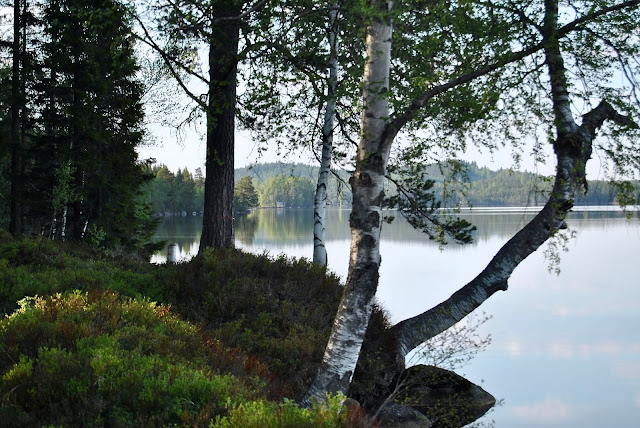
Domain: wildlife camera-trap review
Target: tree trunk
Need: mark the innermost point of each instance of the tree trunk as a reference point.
(320, 198)
(345, 341)
(217, 223)
(573, 147)
(17, 100)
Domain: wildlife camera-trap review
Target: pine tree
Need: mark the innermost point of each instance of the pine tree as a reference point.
(245, 195)
(93, 121)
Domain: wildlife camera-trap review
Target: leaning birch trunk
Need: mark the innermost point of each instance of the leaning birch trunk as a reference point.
(320, 198)
(352, 318)
(573, 148)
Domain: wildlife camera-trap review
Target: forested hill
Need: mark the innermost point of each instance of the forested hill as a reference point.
(270, 179)
(293, 185)
(486, 187)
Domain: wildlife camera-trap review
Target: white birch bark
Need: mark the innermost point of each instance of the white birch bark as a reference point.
(345, 341)
(573, 148)
(320, 198)
(63, 234)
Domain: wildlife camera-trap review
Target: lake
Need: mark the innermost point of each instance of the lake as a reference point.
(565, 348)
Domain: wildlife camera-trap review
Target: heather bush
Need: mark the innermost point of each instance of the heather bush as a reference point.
(96, 359)
(73, 354)
(261, 414)
(279, 309)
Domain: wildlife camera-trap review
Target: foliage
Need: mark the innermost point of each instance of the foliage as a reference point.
(289, 190)
(479, 186)
(170, 192)
(245, 195)
(31, 267)
(259, 414)
(80, 125)
(278, 310)
(94, 359)
(338, 191)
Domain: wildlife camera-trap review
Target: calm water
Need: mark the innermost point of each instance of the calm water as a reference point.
(565, 350)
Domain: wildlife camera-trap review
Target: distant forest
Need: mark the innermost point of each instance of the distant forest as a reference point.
(293, 184)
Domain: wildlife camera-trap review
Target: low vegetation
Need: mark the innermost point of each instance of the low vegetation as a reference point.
(91, 338)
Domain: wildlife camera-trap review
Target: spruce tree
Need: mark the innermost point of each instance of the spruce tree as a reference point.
(92, 120)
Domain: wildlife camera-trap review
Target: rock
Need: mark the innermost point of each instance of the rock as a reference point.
(396, 415)
(446, 398)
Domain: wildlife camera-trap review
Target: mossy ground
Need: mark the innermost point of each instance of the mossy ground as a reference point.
(97, 339)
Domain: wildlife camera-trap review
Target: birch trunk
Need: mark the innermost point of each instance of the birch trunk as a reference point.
(63, 235)
(573, 148)
(320, 198)
(345, 341)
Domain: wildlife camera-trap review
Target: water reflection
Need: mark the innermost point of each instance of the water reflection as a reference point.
(566, 349)
(275, 228)
(245, 228)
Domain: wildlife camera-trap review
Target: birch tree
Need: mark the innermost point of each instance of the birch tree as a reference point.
(533, 51)
(298, 98)
(320, 197)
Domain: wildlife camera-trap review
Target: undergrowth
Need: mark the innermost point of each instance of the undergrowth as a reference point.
(95, 359)
(232, 338)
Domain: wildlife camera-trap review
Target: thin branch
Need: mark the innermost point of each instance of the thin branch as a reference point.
(243, 15)
(401, 119)
(148, 40)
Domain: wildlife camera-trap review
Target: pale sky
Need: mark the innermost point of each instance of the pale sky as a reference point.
(190, 151)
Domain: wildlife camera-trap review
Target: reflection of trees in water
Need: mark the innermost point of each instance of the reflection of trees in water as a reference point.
(245, 227)
(183, 231)
(293, 226)
(271, 227)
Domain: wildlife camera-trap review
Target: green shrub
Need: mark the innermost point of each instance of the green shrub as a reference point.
(264, 320)
(280, 310)
(261, 414)
(42, 267)
(95, 359)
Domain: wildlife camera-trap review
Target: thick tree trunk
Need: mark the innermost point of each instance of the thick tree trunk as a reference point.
(320, 198)
(573, 147)
(17, 100)
(343, 348)
(217, 223)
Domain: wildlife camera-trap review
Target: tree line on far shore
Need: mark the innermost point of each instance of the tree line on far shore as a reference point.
(291, 185)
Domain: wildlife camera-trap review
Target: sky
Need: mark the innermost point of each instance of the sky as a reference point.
(190, 149)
